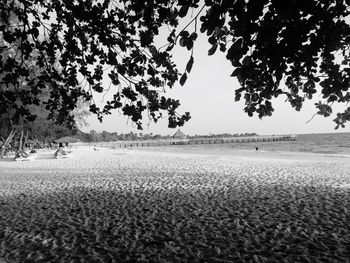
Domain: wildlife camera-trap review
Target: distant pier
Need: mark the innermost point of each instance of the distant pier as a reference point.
(243, 139)
(186, 141)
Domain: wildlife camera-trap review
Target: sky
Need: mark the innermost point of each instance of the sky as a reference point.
(208, 95)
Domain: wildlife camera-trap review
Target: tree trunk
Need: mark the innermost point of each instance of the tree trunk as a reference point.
(20, 143)
(25, 140)
(20, 152)
(4, 146)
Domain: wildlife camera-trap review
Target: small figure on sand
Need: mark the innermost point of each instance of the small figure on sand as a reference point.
(256, 149)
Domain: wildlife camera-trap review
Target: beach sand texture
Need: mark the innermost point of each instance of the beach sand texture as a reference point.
(152, 206)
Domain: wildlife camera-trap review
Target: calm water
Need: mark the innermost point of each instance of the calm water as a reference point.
(325, 143)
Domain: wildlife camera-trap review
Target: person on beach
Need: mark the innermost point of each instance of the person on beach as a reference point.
(256, 149)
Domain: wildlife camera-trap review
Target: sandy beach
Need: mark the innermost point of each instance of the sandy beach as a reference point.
(156, 205)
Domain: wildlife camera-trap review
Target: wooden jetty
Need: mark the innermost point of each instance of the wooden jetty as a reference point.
(208, 140)
(248, 139)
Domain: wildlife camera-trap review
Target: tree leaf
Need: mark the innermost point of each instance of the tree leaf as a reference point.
(170, 47)
(183, 41)
(236, 72)
(183, 79)
(189, 64)
(183, 10)
(194, 36)
(189, 43)
(212, 50)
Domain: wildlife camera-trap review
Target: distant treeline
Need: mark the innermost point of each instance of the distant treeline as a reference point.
(105, 136)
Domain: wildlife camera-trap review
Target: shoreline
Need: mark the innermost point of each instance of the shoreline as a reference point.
(223, 153)
(249, 154)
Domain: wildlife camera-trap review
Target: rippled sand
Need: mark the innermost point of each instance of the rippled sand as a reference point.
(153, 206)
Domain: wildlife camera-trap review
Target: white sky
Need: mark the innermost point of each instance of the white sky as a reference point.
(208, 95)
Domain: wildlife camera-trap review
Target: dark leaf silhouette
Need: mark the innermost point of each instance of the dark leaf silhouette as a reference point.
(183, 79)
(212, 50)
(189, 64)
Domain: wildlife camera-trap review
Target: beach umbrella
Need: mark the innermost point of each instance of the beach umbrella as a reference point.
(66, 139)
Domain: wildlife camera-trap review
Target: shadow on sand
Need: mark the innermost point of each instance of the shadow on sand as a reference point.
(148, 225)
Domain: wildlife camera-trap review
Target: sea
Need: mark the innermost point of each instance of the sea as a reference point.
(323, 143)
(329, 144)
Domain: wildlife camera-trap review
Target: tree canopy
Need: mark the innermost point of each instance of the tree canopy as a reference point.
(277, 48)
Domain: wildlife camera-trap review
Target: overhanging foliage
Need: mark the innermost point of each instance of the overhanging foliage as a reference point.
(76, 44)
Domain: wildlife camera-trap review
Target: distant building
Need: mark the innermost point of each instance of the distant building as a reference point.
(180, 138)
(179, 135)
